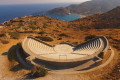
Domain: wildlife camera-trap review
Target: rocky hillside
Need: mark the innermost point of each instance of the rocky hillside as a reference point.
(60, 10)
(43, 27)
(87, 8)
(110, 19)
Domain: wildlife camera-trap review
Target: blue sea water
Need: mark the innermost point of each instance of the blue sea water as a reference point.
(68, 18)
(8, 12)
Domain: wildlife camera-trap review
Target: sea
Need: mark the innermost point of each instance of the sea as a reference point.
(8, 12)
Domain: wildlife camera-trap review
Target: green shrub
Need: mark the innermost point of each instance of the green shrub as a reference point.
(14, 35)
(39, 71)
(89, 37)
(48, 39)
(63, 35)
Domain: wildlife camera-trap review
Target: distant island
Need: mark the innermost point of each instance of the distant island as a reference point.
(87, 8)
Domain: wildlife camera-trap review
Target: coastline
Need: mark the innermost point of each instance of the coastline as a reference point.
(82, 16)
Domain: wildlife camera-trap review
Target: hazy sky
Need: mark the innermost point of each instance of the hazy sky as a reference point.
(38, 1)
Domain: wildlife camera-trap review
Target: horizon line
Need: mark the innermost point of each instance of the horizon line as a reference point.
(45, 3)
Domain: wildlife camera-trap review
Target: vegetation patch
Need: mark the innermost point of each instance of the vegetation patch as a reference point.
(20, 24)
(44, 25)
(47, 39)
(63, 35)
(14, 35)
(2, 35)
(42, 32)
(89, 37)
(81, 27)
(57, 25)
(33, 27)
(4, 41)
(56, 30)
(59, 39)
(39, 71)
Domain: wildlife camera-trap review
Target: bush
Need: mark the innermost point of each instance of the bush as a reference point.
(42, 32)
(89, 37)
(33, 27)
(57, 25)
(81, 27)
(20, 24)
(14, 35)
(63, 35)
(44, 25)
(48, 39)
(56, 30)
(59, 39)
(8, 24)
(2, 35)
(4, 41)
(39, 71)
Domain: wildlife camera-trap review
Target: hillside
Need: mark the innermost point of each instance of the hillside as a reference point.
(110, 19)
(40, 26)
(87, 8)
(58, 31)
(60, 10)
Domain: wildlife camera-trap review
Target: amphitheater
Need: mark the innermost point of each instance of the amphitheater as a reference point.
(63, 56)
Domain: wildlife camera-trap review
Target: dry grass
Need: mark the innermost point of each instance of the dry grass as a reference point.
(99, 74)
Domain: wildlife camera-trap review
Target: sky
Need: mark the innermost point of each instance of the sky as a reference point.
(2, 2)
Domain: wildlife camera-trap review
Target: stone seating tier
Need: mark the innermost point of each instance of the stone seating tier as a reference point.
(40, 49)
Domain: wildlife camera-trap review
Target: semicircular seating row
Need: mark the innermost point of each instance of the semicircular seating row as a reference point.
(87, 48)
(39, 48)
